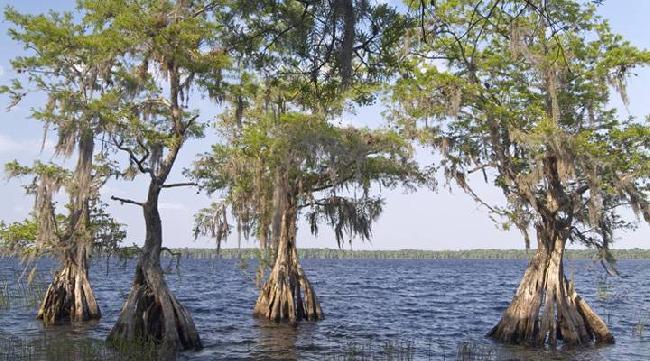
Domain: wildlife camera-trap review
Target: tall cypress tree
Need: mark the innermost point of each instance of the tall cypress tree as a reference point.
(520, 91)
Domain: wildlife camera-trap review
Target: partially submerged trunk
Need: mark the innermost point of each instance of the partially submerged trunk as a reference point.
(288, 295)
(70, 297)
(151, 313)
(546, 307)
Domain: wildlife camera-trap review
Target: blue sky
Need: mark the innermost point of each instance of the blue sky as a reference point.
(422, 220)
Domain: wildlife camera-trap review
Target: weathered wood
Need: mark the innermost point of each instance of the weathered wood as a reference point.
(564, 315)
(288, 295)
(69, 297)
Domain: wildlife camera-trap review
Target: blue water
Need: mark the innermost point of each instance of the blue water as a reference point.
(429, 305)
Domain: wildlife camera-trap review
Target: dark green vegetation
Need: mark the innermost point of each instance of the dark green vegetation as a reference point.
(523, 100)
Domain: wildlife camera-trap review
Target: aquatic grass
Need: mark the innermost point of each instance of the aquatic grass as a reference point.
(136, 350)
(58, 348)
(398, 350)
(470, 351)
(609, 295)
(4, 295)
(642, 323)
(21, 293)
(370, 351)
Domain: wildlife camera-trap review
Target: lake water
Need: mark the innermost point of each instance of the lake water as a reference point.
(427, 306)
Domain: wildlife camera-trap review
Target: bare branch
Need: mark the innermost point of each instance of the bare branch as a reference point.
(178, 185)
(138, 161)
(127, 201)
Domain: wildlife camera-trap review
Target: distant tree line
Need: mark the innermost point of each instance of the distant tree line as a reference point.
(333, 253)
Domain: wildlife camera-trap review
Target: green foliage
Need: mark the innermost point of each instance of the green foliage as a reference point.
(71, 65)
(45, 232)
(213, 222)
(299, 65)
(316, 163)
(523, 93)
(18, 235)
(108, 234)
(320, 53)
(74, 68)
(167, 50)
(517, 92)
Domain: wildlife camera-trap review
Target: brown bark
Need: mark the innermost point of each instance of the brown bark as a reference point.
(346, 10)
(546, 307)
(151, 313)
(70, 297)
(288, 295)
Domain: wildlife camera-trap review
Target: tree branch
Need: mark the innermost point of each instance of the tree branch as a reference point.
(127, 201)
(178, 185)
(138, 161)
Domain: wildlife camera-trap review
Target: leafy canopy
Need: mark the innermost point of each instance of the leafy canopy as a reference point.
(522, 92)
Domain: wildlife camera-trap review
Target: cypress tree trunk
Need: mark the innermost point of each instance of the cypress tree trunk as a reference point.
(69, 297)
(151, 312)
(546, 307)
(288, 294)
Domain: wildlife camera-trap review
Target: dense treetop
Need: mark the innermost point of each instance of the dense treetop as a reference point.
(523, 94)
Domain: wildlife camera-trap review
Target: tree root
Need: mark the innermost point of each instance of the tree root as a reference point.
(152, 314)
(288, 296)
(564, 315)
(69, 298)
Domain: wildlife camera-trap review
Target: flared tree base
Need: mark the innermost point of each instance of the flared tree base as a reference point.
(69, 298)
(547, 309)
(288, 296)
(152, 314)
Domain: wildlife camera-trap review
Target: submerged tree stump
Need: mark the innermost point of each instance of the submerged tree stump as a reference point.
(287, 296)
(151, 313)
(546, 307)
(69, 297)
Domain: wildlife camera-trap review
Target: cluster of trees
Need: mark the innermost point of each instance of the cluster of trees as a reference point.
(518, 90)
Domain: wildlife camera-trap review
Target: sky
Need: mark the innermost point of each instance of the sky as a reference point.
(415, 220)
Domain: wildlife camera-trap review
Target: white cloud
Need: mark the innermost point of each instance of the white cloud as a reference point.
(2, 71)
